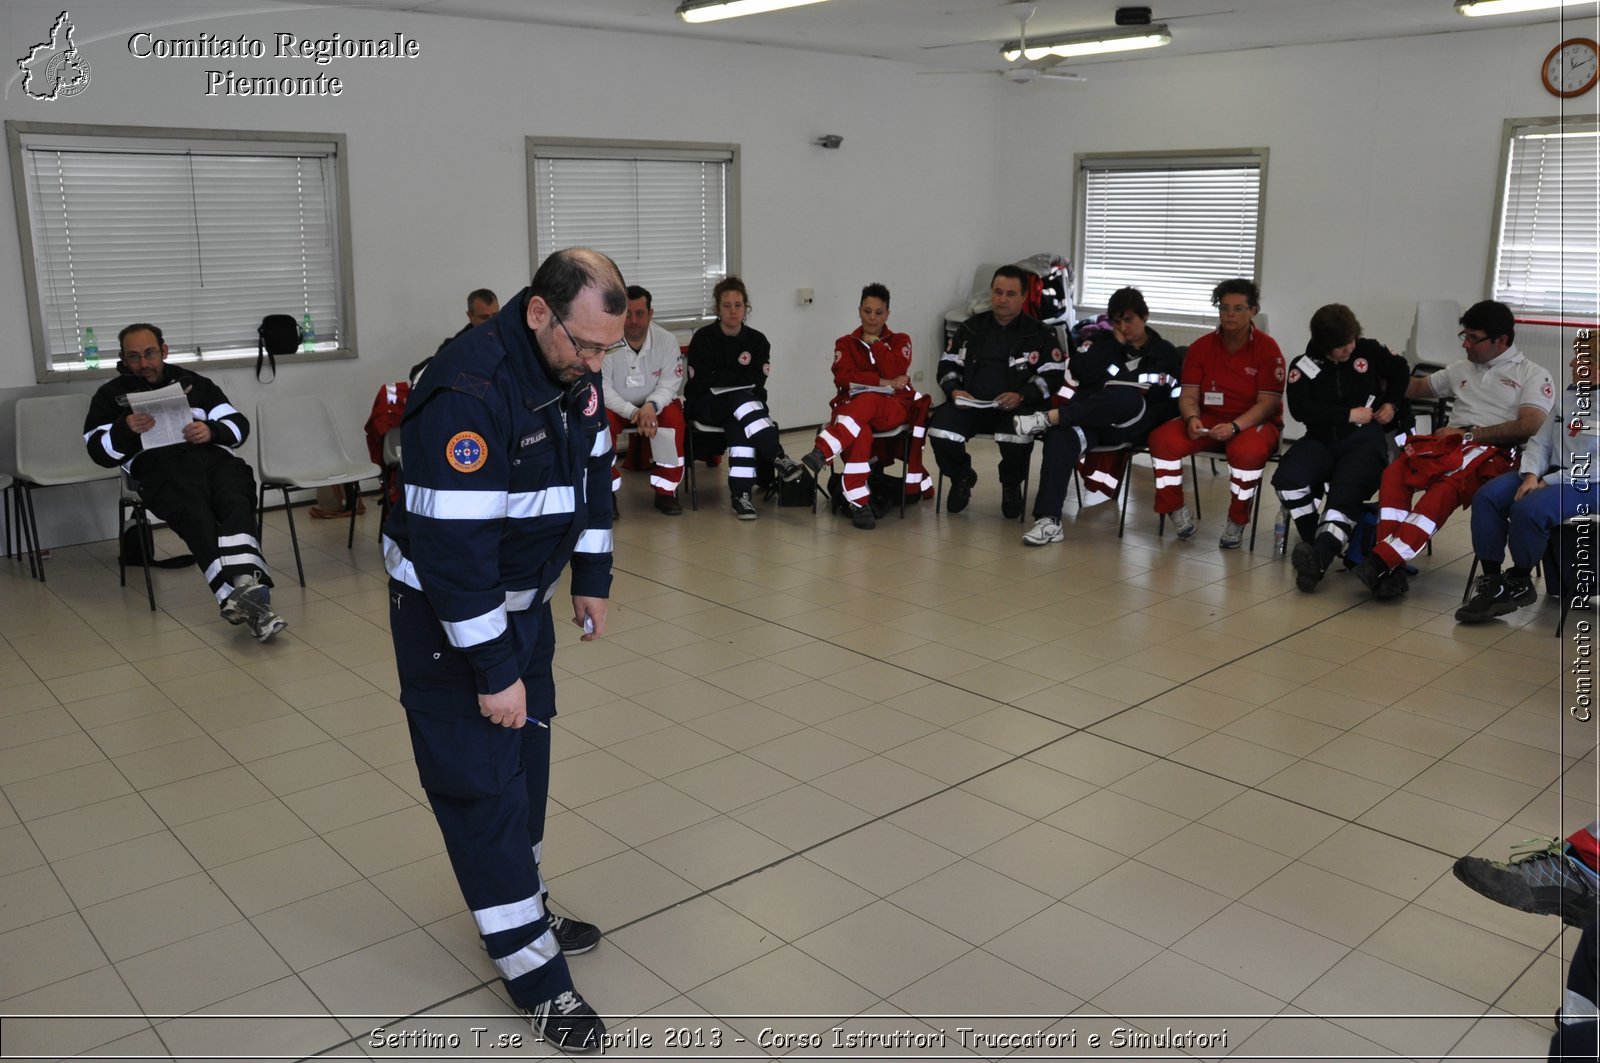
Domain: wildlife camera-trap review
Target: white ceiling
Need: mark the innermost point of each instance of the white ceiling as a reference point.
(966, 34)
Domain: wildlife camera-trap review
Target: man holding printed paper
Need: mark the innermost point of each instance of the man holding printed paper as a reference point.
(173, 431)
(998, 364)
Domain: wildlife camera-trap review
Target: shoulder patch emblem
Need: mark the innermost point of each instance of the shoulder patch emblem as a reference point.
(593, 404)
(766, 368)
(1547, 391)
(1294, 376)
(744, 357)
(1033, 357)
(1361, 365)
(466, 452)
(1056, 355)
(836, 357)
(1278, 372)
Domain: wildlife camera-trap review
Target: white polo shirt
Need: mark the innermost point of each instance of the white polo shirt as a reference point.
(1494, 392)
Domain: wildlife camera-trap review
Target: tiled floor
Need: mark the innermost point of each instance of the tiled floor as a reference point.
(812, 777)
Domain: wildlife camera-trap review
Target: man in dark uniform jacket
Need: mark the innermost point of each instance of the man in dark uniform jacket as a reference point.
(998, 364)
(508, 478)
(204, 492)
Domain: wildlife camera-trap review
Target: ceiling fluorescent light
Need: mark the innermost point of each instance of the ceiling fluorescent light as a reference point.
(1479, 8)
(715, 10)
(1091, 44)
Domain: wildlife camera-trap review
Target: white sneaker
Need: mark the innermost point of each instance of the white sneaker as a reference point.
(1182, 522)
(1033, 425)
(1045, 530)
(1232, 536)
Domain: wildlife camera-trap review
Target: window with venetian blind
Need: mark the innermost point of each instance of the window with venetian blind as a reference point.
(1171, 224)
(667, 213)
(200, 232)
(1546, 259)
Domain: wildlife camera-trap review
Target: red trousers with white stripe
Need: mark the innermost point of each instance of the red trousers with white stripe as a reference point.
(663, 477)
(1403, 528)
(850, 434)
(1247, 455)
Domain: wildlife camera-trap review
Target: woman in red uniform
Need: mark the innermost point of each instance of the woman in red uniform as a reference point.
(871, 367)
(1232, 401)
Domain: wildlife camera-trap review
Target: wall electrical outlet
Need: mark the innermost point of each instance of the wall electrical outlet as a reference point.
(807, 296)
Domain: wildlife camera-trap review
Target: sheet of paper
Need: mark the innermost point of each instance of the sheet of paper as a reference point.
(170, 407)
(739, 387)
(871, 389)
(977, 404)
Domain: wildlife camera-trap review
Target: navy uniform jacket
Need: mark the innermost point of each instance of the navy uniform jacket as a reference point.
(1154, 369)
(508, 477)
(717, 360)
(1033, 362)
(113, 444)
(1321, 392)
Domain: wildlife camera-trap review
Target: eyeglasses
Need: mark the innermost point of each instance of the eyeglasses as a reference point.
(1230, 308)
(134, 357)
(1470, 340)
(581, 348)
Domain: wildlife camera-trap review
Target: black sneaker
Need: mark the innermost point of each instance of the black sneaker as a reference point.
(573, 935)
(1391, 585)
(568, 1023)
(1011, 501)
(669, 505)
(863, 517)
(1371, 572)
(1545, 881)
(961, 490)
(1491, 597)
(743, 508)
(814, 461)
(1520, 588)
(787, 468)
(1307, 564)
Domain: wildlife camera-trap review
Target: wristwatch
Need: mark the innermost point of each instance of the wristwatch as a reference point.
(1466, 437)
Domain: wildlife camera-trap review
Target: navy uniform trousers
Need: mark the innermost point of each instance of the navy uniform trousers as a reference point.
(487, 784)
(1351, 468)
(208, 496)
(1101, 419)
(751, 435)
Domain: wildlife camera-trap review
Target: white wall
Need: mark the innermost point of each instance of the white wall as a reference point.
(438, 178)
(1383, 167)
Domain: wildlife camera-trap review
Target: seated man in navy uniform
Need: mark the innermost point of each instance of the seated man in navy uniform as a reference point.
(999, 363)
(204, 492)
(508, 479)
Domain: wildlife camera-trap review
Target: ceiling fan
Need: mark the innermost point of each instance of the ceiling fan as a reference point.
(1023, 71)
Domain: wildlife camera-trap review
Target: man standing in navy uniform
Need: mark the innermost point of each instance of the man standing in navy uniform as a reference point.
(508, 478)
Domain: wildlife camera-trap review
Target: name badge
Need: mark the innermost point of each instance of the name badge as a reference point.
(1213, 398)
(530, 440)
(635, 381)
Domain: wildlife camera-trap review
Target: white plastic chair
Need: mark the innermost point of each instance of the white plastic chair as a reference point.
(1433, 332)
(1434, 343)
(299, 447)
(50, 453)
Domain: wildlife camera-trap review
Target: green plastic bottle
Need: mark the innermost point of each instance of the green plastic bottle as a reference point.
(91, 349)
(308, 334)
